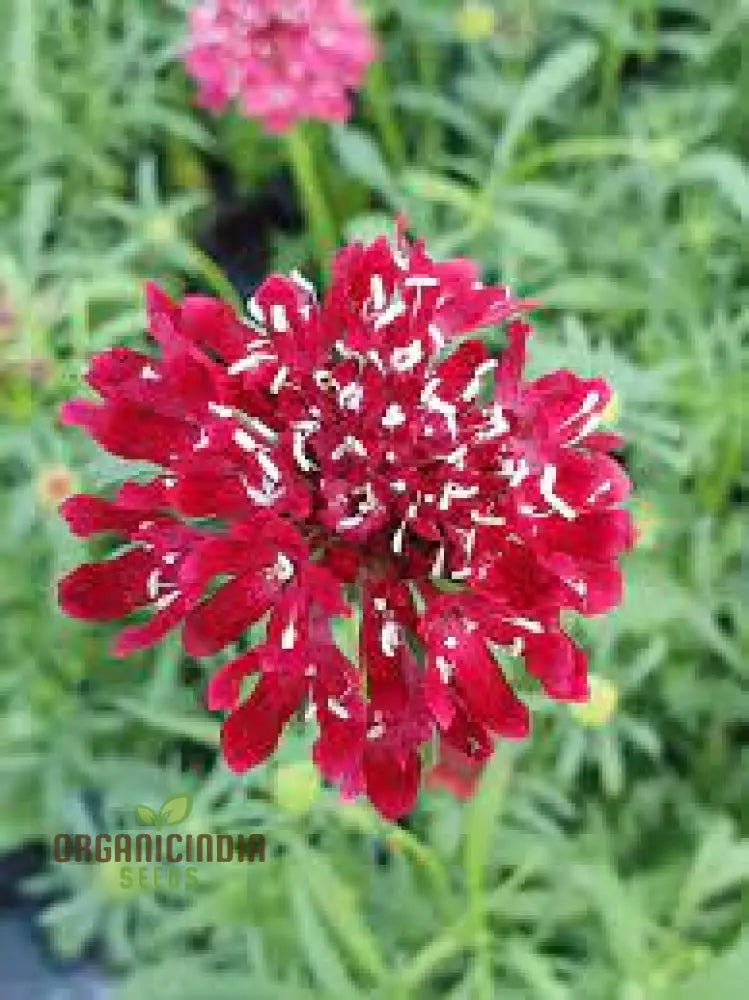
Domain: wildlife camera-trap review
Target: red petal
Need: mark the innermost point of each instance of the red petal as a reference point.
(135, 637)
(392, 781)
(251, 733)
(224, 687)
(223, 618)
(107, 590)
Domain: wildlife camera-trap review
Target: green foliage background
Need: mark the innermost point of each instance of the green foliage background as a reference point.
(590, 153)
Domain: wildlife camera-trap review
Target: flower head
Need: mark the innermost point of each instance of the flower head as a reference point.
(282, 60)
(360, 451)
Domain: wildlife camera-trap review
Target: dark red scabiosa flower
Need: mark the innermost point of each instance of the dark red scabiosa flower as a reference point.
(363, 455)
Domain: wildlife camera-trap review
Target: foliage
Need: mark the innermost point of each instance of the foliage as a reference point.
(591, 155)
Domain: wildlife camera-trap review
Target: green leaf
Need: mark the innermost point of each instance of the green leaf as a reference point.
(323, 959)
(541, 89)
(338, 903)
(145, 816)
(433, 187)
(725, 171)
(175, 810)
(362, 159)
(726, 977)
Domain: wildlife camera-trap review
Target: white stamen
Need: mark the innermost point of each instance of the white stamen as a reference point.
(278, 380)
(398, 539)
(590, 425)
(587, 406)
(437, 336)
(461, 574)
(350, 397)
(457, 457)
(455, 491)
(379, 603)
(149, 374)
(451, 642)
(389, 638)
(203, 441)
(170, 558)
(248, 363)
(152, 584)
(284, 567)
(336, 708)
(394, 416)
(487, 519)
(165, 600)
(261, 428)
(349, 443)
(421, 281)
(220, 411)
(445, 667)
(393, 311)
(279, 319)
(304, 283)
(527, 623)
(404, 359)
(438, 565)
(546, 487)
(288, 636)
(376, 732)
(599, 491)
(245, 440)
(300, 437)
(437, 405)
(256, 310)
(496, 424)
(399, 486)
(376, 360)
(268, 466)
(474, 386)
(517, 473)
(379, 299)
(352, 521)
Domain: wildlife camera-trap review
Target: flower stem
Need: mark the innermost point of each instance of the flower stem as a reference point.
(429, 71)
(214, 277)
(380, 108)
(320, 220)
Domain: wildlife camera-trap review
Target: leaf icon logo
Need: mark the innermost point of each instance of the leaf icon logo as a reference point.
(173, 811)
(145, 816)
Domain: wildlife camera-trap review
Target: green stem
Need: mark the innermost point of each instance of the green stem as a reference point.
(214, 277)
(429, 70)
(319, 218)
(378, 100)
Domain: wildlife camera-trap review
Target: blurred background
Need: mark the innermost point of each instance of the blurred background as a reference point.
(591, 153)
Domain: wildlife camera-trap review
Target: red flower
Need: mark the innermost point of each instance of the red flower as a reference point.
(283, 60)
(351, 453)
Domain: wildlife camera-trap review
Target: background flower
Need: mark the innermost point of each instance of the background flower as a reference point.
(281, 60)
